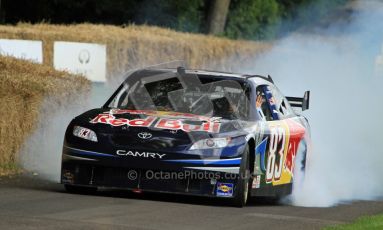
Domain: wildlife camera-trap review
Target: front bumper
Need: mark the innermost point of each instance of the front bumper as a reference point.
(145, 175)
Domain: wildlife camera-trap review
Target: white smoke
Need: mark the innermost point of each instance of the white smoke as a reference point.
(339, 66)
(41, 153)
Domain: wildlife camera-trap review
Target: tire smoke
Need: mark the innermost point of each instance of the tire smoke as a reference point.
(340, 65)
(41, 153)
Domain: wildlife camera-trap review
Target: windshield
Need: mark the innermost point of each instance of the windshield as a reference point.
(202, 94)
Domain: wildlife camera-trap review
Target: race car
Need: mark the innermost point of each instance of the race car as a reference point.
(192, 132)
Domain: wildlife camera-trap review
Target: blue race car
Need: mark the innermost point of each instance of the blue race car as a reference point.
(191, 132)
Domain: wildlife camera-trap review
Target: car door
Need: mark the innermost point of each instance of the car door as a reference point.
(277, 147)
(298, 129)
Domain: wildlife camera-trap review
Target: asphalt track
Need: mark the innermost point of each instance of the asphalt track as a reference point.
(30, 203)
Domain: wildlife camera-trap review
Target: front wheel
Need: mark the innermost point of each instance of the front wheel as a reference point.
(244, 181)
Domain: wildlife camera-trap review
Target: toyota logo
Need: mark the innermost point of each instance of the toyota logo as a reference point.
(144, 135)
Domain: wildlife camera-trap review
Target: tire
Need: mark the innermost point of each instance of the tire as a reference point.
(300, 164)
(302, 155)
(80, 189)
(303, 162)
(243, 186)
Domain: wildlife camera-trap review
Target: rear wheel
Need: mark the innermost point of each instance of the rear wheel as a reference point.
(300, 166)
(243, 187)
(80, 189)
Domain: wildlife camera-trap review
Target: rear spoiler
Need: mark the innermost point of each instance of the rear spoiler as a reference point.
(301, 102)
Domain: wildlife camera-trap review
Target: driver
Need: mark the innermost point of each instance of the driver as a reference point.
(258, 104)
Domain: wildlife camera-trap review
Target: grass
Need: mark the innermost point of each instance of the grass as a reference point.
(134, 46)
(9, 169)
(23, 87)
(362, 223)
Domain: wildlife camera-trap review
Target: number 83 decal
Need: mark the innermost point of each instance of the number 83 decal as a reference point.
(275, 156)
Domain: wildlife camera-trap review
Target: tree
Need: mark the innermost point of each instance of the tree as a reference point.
(176, 14)
(217, 16)
(252, 19)
(1, 14)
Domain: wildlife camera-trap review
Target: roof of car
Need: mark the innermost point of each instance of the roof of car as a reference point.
(218, 73)
(199, 71)
(153, 71)
(211, 73)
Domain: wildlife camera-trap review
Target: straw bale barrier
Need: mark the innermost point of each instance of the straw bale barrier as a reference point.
(23, 86)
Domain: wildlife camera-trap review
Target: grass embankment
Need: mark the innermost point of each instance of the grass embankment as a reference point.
(136, 46)
(23, 86)
(362, 223)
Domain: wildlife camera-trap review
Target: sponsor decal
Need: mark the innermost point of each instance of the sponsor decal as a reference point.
(163, 123)
(256, 182)
(298, 131)
(225, 189)
(261, 150)
(67, 177)
(113, 121)
(280, 152)
(172, 124)
(291, 154)
(140, 154)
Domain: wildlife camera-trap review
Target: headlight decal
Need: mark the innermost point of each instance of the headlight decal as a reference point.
(211, 143)
(84, 133)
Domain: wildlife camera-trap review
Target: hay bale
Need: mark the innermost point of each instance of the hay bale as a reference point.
(23, 86)
(137, 46)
